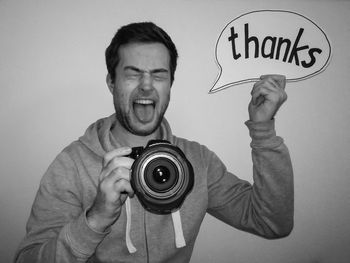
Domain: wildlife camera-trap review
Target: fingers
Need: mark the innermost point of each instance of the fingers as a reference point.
(114, 159)
(123, 186)
(260, 90)
(280, 80)
(115, 175)
(118, 182)
(270, 87)
(115, 163)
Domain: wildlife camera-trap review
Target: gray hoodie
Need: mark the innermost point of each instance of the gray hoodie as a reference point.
(57, 230)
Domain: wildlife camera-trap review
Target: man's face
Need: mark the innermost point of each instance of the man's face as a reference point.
(141, 89)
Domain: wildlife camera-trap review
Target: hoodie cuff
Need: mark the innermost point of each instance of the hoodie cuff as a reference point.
(82, 239)
(263, 134)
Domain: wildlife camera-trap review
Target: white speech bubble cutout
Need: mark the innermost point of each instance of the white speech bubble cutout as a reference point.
(270, 42)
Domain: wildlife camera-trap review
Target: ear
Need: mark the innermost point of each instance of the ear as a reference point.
(110, 83)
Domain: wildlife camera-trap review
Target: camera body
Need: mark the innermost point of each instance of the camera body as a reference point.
(161, 176)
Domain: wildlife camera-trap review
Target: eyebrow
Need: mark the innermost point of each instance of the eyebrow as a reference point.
(158, 70)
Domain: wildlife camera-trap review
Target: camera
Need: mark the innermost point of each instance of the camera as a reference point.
(161, 176)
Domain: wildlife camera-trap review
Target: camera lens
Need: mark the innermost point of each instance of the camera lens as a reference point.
(161, 177)
(161, 174)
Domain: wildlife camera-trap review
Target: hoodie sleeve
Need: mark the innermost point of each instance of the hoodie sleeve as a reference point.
(265, 208)
(57, 230)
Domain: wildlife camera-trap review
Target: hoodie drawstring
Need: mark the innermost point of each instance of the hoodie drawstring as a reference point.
(179, 234)
(129, 244)
(176, 217)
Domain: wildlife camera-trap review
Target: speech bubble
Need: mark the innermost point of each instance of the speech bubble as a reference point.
(270, 42)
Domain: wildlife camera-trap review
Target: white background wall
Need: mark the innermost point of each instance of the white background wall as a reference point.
(52, 84)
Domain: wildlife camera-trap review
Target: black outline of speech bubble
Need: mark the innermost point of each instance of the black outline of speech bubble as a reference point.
(212, 90)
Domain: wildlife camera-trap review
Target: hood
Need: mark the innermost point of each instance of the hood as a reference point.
(100, 140)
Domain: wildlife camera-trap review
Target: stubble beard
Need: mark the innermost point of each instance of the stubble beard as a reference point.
(125, 119)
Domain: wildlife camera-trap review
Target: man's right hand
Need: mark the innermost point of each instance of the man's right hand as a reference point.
(113, 189)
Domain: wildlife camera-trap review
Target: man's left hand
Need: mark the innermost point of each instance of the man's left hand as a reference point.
(268, 94)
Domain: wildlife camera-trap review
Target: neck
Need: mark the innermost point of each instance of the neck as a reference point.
(127, 138)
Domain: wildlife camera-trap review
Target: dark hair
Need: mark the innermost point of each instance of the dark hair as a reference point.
(144, 32)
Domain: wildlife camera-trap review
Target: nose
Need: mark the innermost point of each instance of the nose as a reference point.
(146, 82)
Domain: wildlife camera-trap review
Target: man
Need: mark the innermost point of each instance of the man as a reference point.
(85, 209)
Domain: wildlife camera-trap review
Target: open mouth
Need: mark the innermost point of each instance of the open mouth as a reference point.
(144, 109)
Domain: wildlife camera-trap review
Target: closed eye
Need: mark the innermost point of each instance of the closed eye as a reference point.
(134, 73)
(131, 73)
(160, 76)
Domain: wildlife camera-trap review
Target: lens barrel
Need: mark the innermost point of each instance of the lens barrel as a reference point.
(161, 177)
